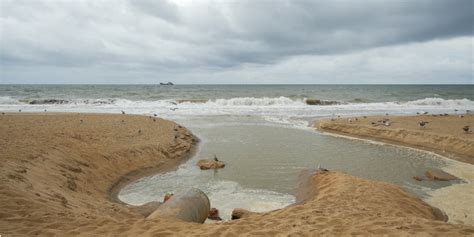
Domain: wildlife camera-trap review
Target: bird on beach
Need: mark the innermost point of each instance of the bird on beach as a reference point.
(3, 113)
(466, 129)
(422, 124)
(215, 158)
(417, 113)
(155, 115)
(461, 116)
(173, 109)
(425, 113)
(321, 168)
(123, 112)
(350, 120)
(19, 111)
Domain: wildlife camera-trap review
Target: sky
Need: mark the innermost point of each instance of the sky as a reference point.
(236, 41)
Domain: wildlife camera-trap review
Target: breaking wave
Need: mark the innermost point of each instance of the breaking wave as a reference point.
(241, 102)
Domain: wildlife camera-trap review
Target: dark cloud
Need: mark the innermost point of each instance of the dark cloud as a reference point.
(215, 35)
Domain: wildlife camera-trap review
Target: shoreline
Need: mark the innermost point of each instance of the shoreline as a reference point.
(61, 176)
(136, 175)
(401, 136)
(455, 200)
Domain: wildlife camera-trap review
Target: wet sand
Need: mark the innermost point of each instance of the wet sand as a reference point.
(58, 174)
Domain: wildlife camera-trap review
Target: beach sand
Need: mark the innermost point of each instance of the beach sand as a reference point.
(60, 176)
(442, 135)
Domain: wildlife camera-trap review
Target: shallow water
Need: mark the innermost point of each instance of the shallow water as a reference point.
(263, 161)
(261, 132)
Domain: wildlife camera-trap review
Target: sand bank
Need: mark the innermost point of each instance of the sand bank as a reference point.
(57, 173)
(442, 135)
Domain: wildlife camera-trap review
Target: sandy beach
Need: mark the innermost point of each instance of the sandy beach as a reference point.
(60, 174)
(442, 134)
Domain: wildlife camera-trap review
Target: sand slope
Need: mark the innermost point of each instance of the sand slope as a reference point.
(56, 175)
(443, 134)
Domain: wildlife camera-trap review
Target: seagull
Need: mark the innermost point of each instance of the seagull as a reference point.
(123, 112)
(466, 129)
(387, 123)
(155, 115)
(422, 124)
(19, 110)
(45, 110)
(321, 168)
(173, 109)
(425, 113)
(215, 158)
(173, 103)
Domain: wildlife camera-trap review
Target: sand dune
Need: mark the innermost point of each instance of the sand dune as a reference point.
(58, 174)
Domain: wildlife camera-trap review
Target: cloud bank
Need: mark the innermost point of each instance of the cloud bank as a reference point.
(230, 41)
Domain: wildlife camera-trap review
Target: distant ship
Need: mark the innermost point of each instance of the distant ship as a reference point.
(166, 84)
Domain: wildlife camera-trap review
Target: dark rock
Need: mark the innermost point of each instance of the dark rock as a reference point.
(238, 213)
(440, 175)
(321, 102)
(214, 215)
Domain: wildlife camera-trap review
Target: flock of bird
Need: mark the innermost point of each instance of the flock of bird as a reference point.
(421, 124)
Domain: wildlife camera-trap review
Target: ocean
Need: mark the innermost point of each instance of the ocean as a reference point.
(262, 132)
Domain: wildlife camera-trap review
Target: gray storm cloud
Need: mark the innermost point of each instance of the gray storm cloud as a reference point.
(209, 38)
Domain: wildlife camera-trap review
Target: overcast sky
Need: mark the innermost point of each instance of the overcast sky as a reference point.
(237, 41)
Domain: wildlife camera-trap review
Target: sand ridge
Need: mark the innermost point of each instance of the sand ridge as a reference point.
(442, 135)
(57, 172)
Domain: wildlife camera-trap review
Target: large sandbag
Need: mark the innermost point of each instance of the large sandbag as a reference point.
(191, 206)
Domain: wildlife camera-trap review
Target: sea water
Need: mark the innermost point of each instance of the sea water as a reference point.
(262, 132)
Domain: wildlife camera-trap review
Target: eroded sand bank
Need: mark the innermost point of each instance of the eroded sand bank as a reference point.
(57, 173)
(442, 135)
